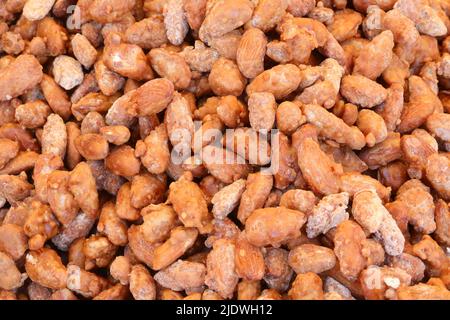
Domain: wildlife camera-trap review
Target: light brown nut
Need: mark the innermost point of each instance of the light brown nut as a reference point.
(225, 16)
(153, 96)
(442, 216)
(189, 203)
(311, 258)
(409, 263)
(369, 211)
(306, 286)
(63, 294)
(112, 226)
(426, 19)
(105, 11)
(261, 225)
(128, 60)
(72, 155)
(13, 241)
(67, 71)
(362, 91)
(83, 50)
(227, 199)
(195, 11)
(267, 14)
(180, 240)
(147, 33)
(44, 266)
(345, 24)
(423, 291)
(158, 221)
(220, 275)
(332, 285)
(105, 180)
(14, 188)
(98, 252)
(416, 148)
(124, 208)
(248, 290)
(348, 241)
(297, 199)
(120, 269)
(82, 185)
(285, 160)
(200, 57)
(231, 111)
(24, 161)
(223, 229)
(92, 146)
(432, 254)
(142, 285)
(344, 156)
(139, 250)
(372, 126)
(117, 292)
(438, 124)
(262, 108)
(172, 66)
(249, 260)
(56, 97)
(122, 161)
(289, 117)
(75, 254)
(179, 123)
(146, 189)
(54, 136)
(437, 169)
(17, 133)
(317, 168)
(422, 103)
(223, 164)
(280, 80)
(154, 150)
(300, 8)
(258, 187)
(11, 278)
(225, 78)
(44, 165)
(40, 225)
(83, 282)
(25, 72)
(332, 127)
(279, 51)
(327, 214)
(393, 175)
(117, 135)
(79, 227)
(384, 152)
(32, 115)
(36, 10)
(397, 72)
(109, 82)
(175, 21)
(8, 151)
(182, 275)
(378, 283)
(167, 294)
(55, 36)
(250, 53)
(376, 57)
(90, 102)
(61, 200)
(227, 44)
